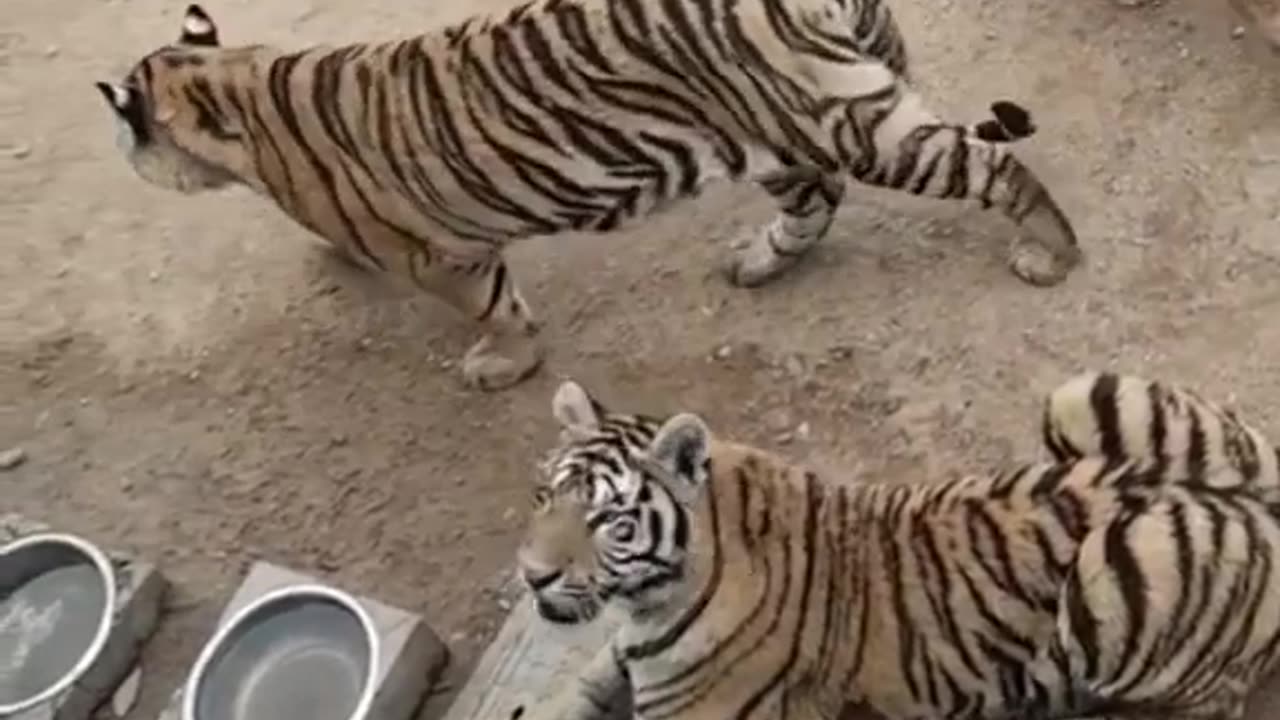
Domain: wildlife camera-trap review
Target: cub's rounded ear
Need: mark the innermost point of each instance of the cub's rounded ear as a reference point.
(575, 409)
(198, 28)
(681, 452)
(127, 103)
(117, 96)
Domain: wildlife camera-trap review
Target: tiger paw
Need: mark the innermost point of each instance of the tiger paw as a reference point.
(1040, 267)
(493, 364)
(753, 261)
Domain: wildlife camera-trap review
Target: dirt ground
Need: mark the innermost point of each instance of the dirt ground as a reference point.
(192, 380)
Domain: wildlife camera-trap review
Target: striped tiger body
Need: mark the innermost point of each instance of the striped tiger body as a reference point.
(1097, 585)
(426, 156)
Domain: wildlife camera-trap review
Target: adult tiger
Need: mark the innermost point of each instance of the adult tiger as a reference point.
(427, 155)
(1086, 588)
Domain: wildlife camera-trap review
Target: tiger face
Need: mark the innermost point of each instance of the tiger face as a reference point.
(609, 522)
(169, 124)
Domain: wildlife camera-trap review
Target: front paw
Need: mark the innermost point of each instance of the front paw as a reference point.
(490, 365)
(1035, 265)
(752, 261)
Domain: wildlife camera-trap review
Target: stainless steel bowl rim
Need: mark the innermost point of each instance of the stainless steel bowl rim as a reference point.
(325, 592)
(107, 574)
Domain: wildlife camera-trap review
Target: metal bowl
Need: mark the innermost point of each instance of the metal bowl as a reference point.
(57, 596)
(305, 652)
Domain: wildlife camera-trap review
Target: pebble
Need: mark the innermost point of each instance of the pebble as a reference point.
(724, 352)
(1237, 32)
(12, 458)
(18, 152)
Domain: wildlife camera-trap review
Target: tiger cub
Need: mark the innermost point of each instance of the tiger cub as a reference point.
(425, 156)
(1134, 576)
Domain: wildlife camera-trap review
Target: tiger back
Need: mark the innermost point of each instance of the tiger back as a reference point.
(1079, 588)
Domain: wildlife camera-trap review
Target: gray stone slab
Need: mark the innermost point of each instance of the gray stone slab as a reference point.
(140, 592)
(527, 662)
(412, 655)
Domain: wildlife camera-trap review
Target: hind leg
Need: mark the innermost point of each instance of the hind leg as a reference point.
(807, 199)
(1158, 425)
(484, 289)
(880, 128)
(1166, 610)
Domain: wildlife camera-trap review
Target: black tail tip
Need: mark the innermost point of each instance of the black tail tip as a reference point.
(1015, 119)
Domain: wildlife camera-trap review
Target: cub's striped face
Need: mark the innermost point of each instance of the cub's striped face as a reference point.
(610, 520)
(168, 126)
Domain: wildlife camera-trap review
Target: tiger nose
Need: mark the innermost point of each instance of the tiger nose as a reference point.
(540, 579)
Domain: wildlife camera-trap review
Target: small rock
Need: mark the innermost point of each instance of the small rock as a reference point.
(126, 485)
(1237, 32)
(19, 151)
(785, 438)
(724, 352)
(794, 366)
(802, 431)
(153, 276)
(193, 375)
(52, 51)
(12, 458)
(126, 695)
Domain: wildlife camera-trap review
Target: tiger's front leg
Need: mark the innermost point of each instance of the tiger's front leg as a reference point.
(482, 287)
(601, 691)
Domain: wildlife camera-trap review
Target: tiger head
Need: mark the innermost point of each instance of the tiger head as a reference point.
(170, 123)
(613, 515)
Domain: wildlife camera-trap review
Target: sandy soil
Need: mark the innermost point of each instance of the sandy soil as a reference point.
(191, 379)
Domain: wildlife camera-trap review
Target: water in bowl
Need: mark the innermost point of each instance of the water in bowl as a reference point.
(299, 662)
(46, 624)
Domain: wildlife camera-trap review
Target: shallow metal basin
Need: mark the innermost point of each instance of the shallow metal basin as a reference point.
(305, 652)
(57, 594)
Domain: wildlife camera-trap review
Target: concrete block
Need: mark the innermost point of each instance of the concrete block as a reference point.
(527, 662)
(412, 655)
(140, 592)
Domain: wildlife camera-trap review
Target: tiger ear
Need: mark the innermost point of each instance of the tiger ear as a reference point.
(577, 411)
(198, 28)
(126, 101)
(681, 453)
